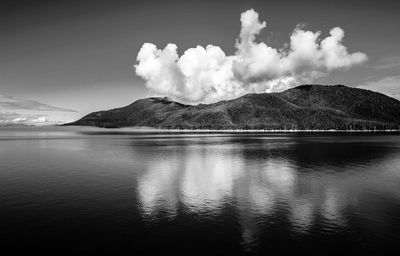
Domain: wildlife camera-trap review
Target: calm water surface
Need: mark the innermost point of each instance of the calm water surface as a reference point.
(84, 192)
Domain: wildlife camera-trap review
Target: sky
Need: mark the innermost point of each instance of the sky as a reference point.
(60, 60)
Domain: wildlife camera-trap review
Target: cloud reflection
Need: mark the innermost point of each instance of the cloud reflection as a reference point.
(156, 187)
(265, 188)
(208, 181)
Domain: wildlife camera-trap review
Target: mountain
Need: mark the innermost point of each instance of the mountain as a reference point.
(305, 107)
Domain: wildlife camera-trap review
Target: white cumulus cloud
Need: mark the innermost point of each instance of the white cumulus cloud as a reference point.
(207, 74)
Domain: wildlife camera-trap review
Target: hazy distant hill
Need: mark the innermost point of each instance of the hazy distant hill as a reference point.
(304, 107)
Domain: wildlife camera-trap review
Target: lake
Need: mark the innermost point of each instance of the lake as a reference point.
(81, 191)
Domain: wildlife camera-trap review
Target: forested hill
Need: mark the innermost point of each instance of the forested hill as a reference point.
(307, 107)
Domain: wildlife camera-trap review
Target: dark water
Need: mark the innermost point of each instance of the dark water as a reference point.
(84, 193)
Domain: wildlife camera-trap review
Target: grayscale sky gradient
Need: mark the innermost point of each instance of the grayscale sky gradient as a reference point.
(79, 55)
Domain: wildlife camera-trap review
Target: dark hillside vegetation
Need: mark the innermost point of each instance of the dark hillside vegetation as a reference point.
(307, 107)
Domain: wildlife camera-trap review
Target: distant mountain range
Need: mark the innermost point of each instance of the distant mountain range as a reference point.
(306, 107)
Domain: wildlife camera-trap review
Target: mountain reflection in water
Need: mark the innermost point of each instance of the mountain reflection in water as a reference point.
(317, 185)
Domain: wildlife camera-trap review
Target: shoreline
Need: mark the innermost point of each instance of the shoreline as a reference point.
(183, 131)
(152, 129)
